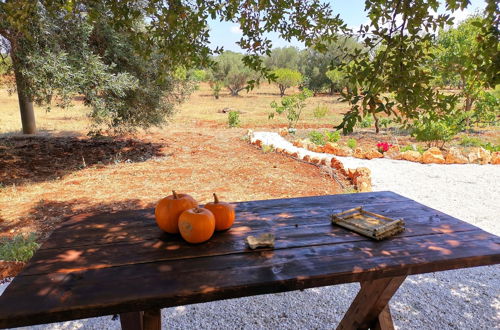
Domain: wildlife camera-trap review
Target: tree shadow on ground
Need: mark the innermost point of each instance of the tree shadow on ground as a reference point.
(41, 158)
(46, 215)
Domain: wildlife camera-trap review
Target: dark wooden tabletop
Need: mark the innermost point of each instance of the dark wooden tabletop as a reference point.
(101, 264)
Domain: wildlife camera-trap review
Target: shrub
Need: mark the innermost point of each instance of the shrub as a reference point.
(366, 122)
(233, 118)
(352, 143)
(412, 147)
(384, 122)
(267, 148)
(437, 131)
(317, 138)
(292, 106)
(332, 136)
(320, 111)
(216, 87)
(18, 248)
(487, 109)
(470, 141)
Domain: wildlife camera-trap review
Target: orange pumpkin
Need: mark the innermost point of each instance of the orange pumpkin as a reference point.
(223, 212)
(196, 225)
(169, 209)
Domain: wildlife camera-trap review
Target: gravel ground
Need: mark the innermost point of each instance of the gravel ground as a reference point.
(459, 299)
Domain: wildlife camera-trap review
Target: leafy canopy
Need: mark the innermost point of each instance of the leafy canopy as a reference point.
(286, 78)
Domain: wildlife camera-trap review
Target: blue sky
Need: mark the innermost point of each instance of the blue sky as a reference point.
(351, 11)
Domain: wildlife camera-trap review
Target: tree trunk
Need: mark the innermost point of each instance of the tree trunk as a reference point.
(377, 128)
(468, 107)
(282, 90)
(25, 103)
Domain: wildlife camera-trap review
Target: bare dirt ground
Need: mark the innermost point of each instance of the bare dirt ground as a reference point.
(47, 179)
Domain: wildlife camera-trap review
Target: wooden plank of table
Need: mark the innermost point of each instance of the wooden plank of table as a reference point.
(311, 231)
(138, 225)
(176, 282)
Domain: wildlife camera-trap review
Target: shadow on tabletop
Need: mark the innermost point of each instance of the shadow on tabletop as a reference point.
(25, 159)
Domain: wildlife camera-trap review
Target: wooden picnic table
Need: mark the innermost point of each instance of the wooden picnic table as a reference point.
(121, 263)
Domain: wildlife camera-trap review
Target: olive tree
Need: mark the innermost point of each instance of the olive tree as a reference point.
(286, 78)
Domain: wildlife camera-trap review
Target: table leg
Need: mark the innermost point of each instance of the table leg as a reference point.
(147, 320)
(370, 308)
(152, 319)
(131, 321)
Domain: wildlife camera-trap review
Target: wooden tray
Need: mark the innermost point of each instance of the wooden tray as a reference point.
(367, 223)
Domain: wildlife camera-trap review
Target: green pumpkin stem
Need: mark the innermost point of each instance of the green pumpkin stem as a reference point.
(175, 194)
(216, 199)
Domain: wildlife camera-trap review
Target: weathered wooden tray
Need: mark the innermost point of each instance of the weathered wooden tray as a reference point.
(367, 223)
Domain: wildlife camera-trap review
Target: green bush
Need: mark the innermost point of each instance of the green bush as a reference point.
(366, 122)
(437, 131)
(384, 122)
(317, 138)
(292, 106)
(332, 136)
(352, 143)
(320, 111)
(412, 147)
(18, 248)
(470, 141)
(233, 118)
(487, 110)
(267, 148)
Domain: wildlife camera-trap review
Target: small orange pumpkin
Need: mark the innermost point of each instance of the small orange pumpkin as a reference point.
(223, 212)
(197, 225)
(169, 209)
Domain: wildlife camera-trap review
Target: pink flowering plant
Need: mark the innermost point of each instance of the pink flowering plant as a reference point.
(383, 146)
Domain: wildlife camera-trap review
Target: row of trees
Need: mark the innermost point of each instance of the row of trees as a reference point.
(131, 59)
(452, 60)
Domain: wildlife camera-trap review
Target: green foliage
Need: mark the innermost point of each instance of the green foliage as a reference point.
(366, 122)
(487, 108)
(337, 79)
(352, 143)
(320, 111)
(18, 248)
(286, 78)
(216, 87)
(292, 106)
(198, 75)
(286, 57)
(384, 122)
(471, 141)
(266, 148)
(317, 138)
(399, 49)
(321, 138)
(436, 131)
(458, 60)
(233, 118)
(316, 63)
(232, 72)
(332, 136)
(412, 147)
(5, 63)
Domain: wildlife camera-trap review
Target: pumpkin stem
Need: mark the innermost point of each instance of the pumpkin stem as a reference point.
(175, 194)
(197, 210)
(216, 199)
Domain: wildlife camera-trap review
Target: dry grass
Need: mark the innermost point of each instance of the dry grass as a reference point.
(255, 107)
